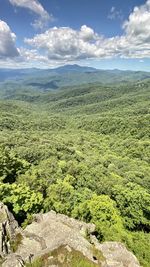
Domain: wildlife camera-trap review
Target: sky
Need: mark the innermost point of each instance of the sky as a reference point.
(106, 34)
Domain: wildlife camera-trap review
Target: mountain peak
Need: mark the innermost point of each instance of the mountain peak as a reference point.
(74, 67)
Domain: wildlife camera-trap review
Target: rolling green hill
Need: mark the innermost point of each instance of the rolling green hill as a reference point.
(82, 150)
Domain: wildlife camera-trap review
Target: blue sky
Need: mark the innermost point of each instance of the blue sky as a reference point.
(101, 33)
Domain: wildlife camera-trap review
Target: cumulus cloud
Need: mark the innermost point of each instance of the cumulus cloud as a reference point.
(137, 27)
(137, 32)
(36, 7)
(31, 55)
(65, 43)
(87, 34)
(7, 42)
(59, 45)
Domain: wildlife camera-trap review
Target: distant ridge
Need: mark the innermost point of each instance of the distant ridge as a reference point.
(11, 74)
(75, 68)
(69, 75)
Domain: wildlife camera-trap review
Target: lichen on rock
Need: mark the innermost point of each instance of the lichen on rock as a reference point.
(56, 240)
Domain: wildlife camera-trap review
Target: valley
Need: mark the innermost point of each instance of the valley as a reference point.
(81, 149)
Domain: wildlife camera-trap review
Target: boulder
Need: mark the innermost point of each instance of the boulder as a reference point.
(116, 254)
(56, 237)
(50, 231)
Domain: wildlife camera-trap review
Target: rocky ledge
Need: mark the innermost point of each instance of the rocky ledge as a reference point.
(54, 240)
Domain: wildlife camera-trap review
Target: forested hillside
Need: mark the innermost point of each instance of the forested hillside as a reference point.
(83, 151)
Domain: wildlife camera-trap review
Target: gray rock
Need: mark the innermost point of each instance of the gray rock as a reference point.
(116, 254)
(8, 228)
(13, 261)
(51, 231)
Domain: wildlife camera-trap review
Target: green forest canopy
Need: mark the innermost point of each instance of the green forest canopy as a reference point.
(82, 151)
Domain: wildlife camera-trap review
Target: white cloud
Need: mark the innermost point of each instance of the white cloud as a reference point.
(87, 34)
(29, 58)
(137, 27)
(32, 55)
(33, 5)
(65, 43)
(36, 7)
(115, 14)
(137, 32)
(7, 42)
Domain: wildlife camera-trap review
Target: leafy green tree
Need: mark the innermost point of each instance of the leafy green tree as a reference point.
(139, 243)
(60, 197)
(133, 202)
(101, 211)
(10, 166)
(63, 147)
(21, 199)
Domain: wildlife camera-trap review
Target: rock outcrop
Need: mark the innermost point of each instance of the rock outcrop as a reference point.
(8, 229)
(116, 254)
(53, 232)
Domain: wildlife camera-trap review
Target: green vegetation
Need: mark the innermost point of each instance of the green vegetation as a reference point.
(16, 242)
(63, 258)
(84, 152)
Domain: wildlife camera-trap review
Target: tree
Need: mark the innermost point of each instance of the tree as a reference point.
(21, 199)
(60, 197)
(101, 211)
(10, 166)
(133, 202)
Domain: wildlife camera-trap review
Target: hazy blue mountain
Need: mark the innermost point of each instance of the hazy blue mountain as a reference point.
(69, 69)
(11, 74)
(74, 68)
(66, 76)
(21, 73)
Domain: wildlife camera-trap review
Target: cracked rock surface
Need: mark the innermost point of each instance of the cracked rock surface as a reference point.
(49, 232)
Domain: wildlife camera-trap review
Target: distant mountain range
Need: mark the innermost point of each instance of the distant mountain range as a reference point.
(68, 75)
(74, 68)
(9, 74)
(6, 74)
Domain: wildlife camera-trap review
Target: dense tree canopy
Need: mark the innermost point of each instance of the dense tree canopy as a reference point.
(84, 152)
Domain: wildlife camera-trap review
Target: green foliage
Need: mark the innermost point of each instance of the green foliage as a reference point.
(60, 197)
(101, 211)
(133, 202)
(82, 151)
(139, 243)
(11, 166)
(14, 244)
(63, 258)
(21, 199)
